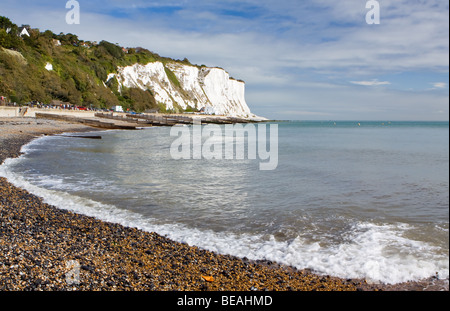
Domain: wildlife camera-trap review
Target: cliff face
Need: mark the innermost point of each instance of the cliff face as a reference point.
(175, 84)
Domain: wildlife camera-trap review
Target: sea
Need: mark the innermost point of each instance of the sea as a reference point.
(352, 199)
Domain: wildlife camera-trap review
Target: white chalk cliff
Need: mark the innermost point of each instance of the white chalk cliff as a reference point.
(198, 87)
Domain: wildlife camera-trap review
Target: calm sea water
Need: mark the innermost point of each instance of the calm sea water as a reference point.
(368, 200)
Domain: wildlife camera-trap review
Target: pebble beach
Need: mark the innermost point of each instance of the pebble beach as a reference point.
(40, 244)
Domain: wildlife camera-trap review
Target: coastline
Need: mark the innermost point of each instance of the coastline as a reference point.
(37, 241)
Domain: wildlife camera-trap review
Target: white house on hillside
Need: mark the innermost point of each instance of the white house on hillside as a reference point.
(23, 32)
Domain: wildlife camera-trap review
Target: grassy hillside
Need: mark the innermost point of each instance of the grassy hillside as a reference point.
(79, 69)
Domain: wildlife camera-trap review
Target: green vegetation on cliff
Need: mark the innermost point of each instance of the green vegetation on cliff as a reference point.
(79, 69)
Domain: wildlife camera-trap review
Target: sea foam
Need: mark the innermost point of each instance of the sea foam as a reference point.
(364, 255)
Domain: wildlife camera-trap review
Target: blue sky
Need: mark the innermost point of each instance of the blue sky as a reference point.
(312, 59)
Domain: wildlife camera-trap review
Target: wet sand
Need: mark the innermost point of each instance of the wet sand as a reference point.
(47, 248)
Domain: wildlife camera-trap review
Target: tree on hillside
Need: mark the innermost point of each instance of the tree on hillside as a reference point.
(8, 34)
(68, 39)
(114, 50)
(6, 23)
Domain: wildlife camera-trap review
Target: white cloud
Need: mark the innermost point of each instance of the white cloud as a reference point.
(320, 35)
(299, 52)
(371, 83)
(439, 85)
(349, 103)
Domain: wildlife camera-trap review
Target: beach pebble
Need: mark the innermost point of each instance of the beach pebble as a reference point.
(46, 248)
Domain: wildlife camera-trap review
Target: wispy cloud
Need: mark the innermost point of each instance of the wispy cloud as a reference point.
(371, 83)
(292, 50)
(439, 85)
